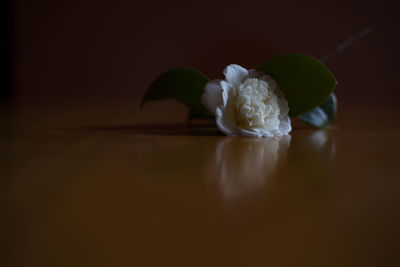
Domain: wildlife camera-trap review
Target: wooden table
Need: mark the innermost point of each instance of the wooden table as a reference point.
(102, 184)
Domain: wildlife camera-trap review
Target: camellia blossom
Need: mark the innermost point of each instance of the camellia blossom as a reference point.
(247, 102)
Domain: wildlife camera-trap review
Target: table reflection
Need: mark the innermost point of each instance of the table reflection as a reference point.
(322, 142)
(313, 148)
(242, 165)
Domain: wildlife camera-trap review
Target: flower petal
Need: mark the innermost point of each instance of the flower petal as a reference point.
(224, 122)
(269, 133)
(272, 85)
(226, 87)
(284, 126)
(252, 133)
(212, 96)
(235, 74)
(220, 98)
(283, 107)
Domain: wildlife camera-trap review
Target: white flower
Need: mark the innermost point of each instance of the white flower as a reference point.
(247, 102)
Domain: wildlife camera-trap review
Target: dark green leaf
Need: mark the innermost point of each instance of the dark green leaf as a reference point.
(323, 115)
(183, 84)
(304, 80)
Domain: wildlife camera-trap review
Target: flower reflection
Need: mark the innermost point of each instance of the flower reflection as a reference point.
(321, 144)
(241, 165)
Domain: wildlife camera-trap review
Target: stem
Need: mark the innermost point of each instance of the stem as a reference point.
(346, 43)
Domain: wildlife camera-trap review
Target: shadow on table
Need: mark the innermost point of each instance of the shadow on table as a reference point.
(160, 129)
(192, 129)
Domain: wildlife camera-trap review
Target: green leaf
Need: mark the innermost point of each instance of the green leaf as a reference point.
(323, 115)
(304, 80)
(183, 84)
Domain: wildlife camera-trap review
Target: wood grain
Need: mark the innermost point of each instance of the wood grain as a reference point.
(107, 185)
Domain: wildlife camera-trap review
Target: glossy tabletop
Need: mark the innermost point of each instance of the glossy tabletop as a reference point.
(108, 185)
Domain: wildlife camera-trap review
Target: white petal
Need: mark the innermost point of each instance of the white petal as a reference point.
(268, 133)
(224, 122)
(226, 87)
(235, 74)
(284, 126)
(212, 96)
(250, 133)
(283, 107)
(272, 84)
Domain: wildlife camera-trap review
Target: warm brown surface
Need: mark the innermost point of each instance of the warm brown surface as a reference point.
(95, 187)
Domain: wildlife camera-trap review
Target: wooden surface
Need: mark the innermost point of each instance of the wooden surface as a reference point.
(89, 184)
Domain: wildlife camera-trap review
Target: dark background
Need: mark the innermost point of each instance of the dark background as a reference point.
(91, 49)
